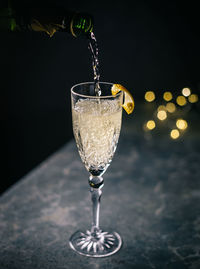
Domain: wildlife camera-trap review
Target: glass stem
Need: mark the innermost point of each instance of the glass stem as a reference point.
(96, 184)
(95, 196)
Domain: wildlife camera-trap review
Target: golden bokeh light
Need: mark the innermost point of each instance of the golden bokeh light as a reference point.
(167, 96)
(174, 134)
(150, 124)
(149, 96)
(162, 115)
(170, 107)
(193, 98)
(181, 100)
(181, 124)
(161, 107)
(186, 92)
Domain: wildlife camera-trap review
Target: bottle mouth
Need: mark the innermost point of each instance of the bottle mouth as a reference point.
(81, 24)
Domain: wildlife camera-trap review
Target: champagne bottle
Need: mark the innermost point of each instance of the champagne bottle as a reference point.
(49, 20)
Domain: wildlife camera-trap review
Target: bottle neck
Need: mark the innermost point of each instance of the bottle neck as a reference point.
(75, 23)
(49, 20)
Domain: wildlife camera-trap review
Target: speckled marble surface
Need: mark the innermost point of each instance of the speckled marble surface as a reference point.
(151, 197)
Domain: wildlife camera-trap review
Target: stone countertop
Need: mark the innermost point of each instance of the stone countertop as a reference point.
(151, 197)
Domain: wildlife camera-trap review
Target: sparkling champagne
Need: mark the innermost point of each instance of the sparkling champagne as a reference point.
(96, 126)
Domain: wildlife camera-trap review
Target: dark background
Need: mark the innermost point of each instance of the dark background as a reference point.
(142, 45)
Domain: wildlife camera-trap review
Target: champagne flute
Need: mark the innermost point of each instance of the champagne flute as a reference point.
(96, 126)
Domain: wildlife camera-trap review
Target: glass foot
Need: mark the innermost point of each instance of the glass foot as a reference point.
(99, 244)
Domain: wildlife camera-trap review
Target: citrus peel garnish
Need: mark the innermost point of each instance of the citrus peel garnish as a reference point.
(129, 103)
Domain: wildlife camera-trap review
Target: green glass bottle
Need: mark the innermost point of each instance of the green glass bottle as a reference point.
(49, 20)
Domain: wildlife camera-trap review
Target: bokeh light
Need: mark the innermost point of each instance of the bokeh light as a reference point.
(150, 124)
(167, 96)
(170, 107)
(186, 92)
(161, 107)
(162, 115)
(149, 96)
(174, 134)
(193, 98)
(181, 124)
(181, 100)
(169, 110)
